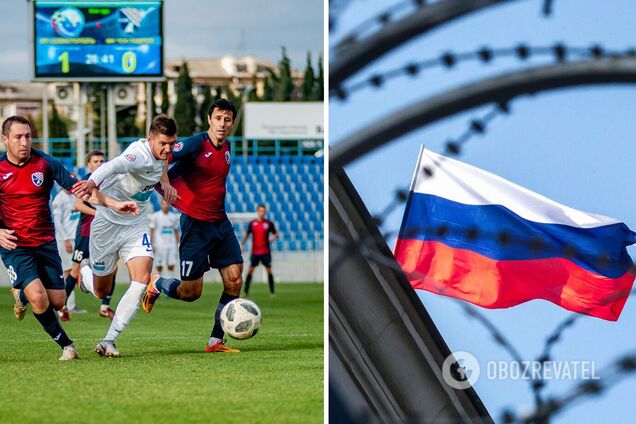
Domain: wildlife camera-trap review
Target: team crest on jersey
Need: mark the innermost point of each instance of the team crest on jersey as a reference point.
(37, 178)
(178, 146)
(265, 226)
(227, 157)
(131, 157)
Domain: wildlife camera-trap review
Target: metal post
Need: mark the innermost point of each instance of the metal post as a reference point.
(80, 139)
(45, 118)
(113, 146)
(149, 111)
(102, 120)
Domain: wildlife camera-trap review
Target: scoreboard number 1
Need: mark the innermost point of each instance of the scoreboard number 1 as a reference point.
(66, 67)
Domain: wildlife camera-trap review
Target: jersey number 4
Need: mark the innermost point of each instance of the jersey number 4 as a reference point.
(146, 242)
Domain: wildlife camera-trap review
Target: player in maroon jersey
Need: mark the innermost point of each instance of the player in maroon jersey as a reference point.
(202, 164)
(27, 235)
(260, 228)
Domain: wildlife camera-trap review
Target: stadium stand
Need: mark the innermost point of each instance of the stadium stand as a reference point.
(292, 189)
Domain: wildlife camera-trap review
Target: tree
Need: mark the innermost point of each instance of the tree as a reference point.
(57, 127)
(285, 87)
(307, 89)
(218, 93)
(165, 100)
(205, 106)
(269, 87)
(319, 87)
(126, 126)
(185, 110)
(252, 96)
(153, 103)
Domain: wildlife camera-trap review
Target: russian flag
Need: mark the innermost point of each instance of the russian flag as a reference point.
(472, 235)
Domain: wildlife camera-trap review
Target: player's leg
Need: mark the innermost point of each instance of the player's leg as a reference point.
(159, 258)
(196, 239)
(254, 259)
(105, 242)
(267, 263)
(105, 310)
(80, 252)
(46, 294)
(66, 268)
(232, 282)
(227, 258)
(44, 313)
(172, 259)
(138, 257)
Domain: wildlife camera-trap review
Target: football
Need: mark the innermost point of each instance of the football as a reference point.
(241, 319)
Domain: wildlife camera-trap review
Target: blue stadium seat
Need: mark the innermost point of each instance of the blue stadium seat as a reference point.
(291, 186)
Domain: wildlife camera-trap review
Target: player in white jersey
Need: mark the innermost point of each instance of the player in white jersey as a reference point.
(130, 176)
(164, 236)
(65, 219)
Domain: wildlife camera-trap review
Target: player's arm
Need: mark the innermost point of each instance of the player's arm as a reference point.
(7, 239)
(81, 206)
(119, 165)
(274, 233)
(99, 198)
(169, 192)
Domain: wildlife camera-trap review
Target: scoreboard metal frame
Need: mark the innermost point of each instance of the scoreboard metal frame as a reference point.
(95, 78)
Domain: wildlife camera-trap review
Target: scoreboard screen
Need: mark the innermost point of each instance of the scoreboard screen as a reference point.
(97, 40)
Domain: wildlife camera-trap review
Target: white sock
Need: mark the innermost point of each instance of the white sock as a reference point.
(126, 309)
(213, 341)
(70, 302)
(87, 278)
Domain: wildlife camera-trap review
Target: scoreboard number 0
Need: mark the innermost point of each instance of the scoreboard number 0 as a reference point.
(129, 62)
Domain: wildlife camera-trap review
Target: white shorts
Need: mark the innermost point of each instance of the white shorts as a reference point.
(109, 241)
(165, 255)
(67, 264)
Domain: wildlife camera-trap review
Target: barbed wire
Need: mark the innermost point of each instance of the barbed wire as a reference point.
(378, 21)
(614, 373)
(560, 52)
(358, 245)
(389, 15)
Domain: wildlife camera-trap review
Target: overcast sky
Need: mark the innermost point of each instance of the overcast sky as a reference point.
(198, 29)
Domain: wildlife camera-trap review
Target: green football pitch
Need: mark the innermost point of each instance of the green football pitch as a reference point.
(164, 375)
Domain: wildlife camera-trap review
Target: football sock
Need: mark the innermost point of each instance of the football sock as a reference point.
(70, 301)
(87, 278)
(168, 286)
(270, 280)
(23, 297)
(126, 310)
(69, 284)
(106, 300)
(48, 320)
(217, 330)
(248, 281)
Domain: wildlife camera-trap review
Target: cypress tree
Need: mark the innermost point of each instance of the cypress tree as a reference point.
(185, 110)
(307, 89)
